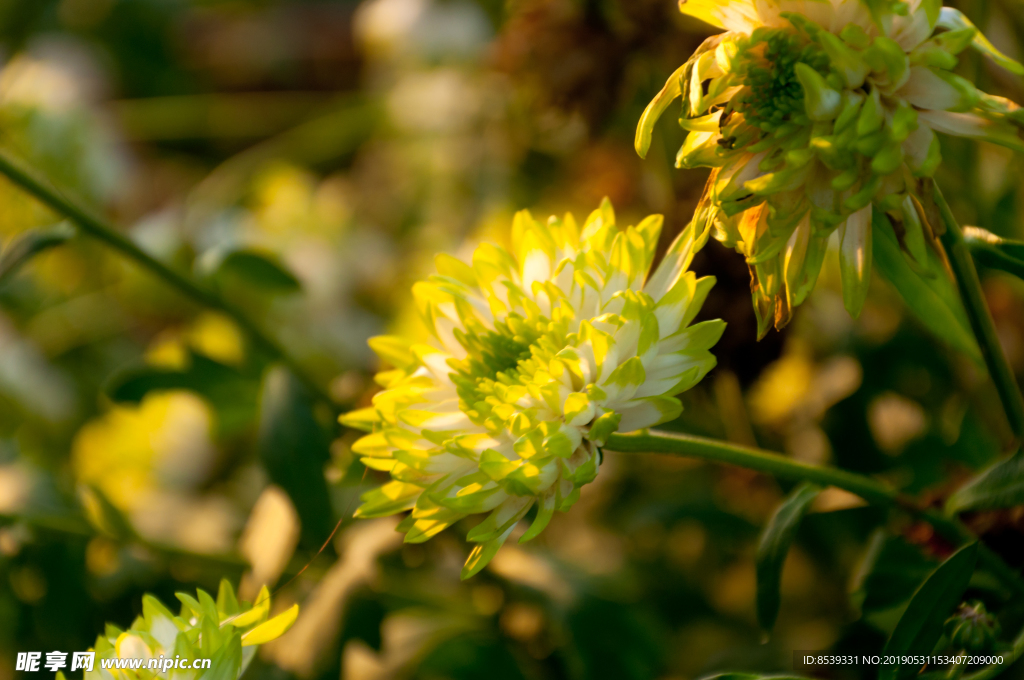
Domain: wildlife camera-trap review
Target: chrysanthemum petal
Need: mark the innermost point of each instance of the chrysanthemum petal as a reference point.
(952, 19)
(855, 259)
(483, 554)
(387, 500)
(648, 412)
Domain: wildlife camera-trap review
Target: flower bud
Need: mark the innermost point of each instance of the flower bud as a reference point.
(972, 628)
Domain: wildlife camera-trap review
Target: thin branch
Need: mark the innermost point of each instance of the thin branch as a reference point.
(89, 223)
(873, 491)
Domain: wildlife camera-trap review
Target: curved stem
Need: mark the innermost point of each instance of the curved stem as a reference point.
(873, 491)
(775, 464)
(33, 183)
(980, 318)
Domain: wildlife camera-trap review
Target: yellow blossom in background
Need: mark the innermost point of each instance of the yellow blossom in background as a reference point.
(149, 461)
(820, 116)
(213, 335)
(537, 355)
(134, 449)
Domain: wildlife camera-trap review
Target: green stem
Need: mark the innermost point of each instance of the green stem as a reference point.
(719, 451)
(89, 223)
(980, 318)
(693, 446)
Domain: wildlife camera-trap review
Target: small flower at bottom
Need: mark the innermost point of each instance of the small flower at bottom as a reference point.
(817, 117)
(537, 355)
(223, 630)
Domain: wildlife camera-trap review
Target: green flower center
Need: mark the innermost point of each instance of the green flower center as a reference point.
(767, 66)
(494, 352)
(492, 358)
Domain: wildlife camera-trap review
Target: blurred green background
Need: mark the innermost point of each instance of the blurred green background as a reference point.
(307, 160)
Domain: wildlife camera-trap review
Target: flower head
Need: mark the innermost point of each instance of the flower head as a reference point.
(224, 630)
(817, 113)
(537, 355)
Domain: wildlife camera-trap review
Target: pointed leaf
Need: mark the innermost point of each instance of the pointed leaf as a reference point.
(931, 296)
(774, 546)
(920, 627)
(1000, 486)
(257, 269)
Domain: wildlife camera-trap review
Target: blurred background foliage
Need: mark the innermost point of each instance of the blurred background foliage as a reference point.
(306, 159)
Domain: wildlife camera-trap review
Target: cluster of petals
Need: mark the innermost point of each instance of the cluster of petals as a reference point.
(818, 116)
(224, 630)
(536, 355)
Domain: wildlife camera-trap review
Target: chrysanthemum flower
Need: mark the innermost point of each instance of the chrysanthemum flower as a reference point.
(537, 355)
(814, 114)
(224, 630)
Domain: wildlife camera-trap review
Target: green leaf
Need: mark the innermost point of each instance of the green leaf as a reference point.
(294, 447)
(258, 269)
(29, 244)
(931, 296)
(1000, 486)
(920, 627)
(774, 546)
(890, 571)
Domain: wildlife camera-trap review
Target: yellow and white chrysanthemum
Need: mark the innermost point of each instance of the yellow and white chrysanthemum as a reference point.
(817, 114)
(537, 355)
(223, 630)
